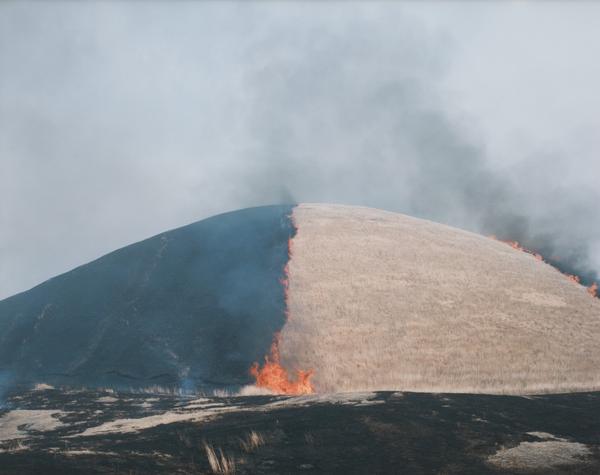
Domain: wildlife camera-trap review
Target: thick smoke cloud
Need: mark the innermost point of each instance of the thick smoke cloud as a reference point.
(121, 120)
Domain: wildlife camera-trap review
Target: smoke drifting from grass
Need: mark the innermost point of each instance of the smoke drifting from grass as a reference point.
(122, 120)
(354, 115)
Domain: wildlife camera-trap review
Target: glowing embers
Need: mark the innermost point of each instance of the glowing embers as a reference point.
(592, 289)
(275, 377)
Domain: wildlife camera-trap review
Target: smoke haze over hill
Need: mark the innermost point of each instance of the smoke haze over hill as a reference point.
(121, 120)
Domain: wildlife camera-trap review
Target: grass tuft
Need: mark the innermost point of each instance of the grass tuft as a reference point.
(252, 441)
(219, 462)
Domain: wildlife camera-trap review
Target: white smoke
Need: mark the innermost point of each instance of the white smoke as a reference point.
(121, 120)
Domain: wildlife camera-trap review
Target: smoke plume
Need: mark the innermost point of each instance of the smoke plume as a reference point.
(121, 120)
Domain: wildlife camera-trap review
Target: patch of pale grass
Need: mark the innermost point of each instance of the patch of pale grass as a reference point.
(248, 390)
(352, 399)
(107, 399)
(160, 390)
(541, 455)
(19, 423)
(382, 301)
(85, 452)
(195, 412)
(219, 462)
(252, 390)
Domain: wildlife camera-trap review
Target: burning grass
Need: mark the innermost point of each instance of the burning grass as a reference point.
(272, 375)
(592, 289)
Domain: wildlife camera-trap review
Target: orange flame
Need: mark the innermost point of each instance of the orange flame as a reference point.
(275, 377)
(592, 289)
(518, 247)
(272, 375)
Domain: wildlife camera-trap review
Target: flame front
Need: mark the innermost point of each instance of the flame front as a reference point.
(592, 289)
(275, 377)
(272, 375)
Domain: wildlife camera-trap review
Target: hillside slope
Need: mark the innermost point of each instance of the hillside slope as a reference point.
(380, 300)
(192, 306)
(374, 301)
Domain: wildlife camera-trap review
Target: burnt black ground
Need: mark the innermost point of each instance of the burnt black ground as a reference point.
(405, 433)
(191, 307)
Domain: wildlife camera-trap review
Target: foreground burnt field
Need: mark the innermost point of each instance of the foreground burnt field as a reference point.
(54, 431)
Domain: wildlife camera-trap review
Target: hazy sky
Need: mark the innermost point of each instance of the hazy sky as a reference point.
(121, 120)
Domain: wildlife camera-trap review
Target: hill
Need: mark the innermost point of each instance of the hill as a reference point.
(191, 307)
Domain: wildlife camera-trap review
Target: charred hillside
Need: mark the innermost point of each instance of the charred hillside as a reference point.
(195, 306)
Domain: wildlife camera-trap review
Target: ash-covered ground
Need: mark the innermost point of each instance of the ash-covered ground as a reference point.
(94, 431)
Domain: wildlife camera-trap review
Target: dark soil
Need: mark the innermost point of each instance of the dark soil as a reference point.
(399, 433)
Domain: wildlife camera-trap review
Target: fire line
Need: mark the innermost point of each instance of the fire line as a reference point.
(272, 375)
(592, 289)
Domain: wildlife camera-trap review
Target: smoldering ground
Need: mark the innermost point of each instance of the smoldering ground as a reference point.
(119, 121)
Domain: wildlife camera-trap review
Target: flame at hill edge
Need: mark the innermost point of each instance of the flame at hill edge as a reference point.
(275, 377)
(592, 289)
(272, 375)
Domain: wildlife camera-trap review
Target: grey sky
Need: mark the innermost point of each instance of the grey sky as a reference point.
(122, 120)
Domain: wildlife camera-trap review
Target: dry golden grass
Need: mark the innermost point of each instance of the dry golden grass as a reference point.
(379, 300)
(219, 462)
(252, 441)
(538, 456)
